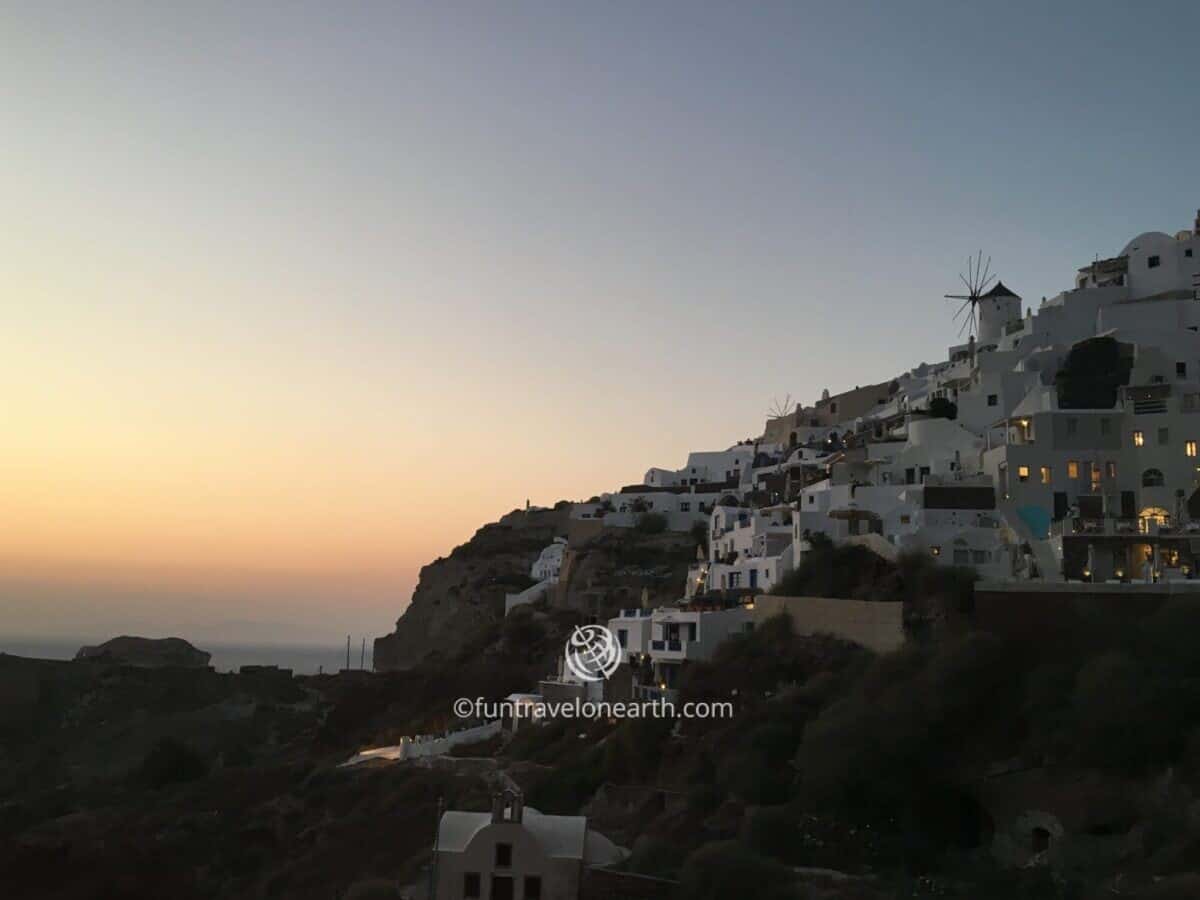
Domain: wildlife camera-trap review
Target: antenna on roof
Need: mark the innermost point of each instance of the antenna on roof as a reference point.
(976, 280)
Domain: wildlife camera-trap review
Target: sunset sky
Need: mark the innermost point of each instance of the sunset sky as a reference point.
(295, 297)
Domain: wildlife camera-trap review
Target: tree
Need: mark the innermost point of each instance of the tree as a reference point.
(941, 408)
(1093, 371)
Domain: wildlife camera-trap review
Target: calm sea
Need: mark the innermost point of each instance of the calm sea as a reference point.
(304, 659)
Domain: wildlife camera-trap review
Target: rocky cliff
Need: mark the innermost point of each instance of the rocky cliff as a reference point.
(459, 599)
(461, 596)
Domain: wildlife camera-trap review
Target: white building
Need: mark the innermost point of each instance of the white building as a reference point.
(747, 548)
(675, 638)
(515, 852)
(724, 467)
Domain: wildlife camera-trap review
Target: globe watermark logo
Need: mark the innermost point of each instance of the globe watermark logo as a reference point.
(592, 653)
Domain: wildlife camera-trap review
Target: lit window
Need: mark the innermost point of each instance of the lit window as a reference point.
(1112, 469)
(1190, 448)
(1023, 473)
(1072, 469)
(1139, 439)
(1045, 473)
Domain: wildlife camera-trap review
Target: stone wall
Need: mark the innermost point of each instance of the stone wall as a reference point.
(877, 626)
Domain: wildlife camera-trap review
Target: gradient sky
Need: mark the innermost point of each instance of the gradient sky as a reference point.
(295, 297)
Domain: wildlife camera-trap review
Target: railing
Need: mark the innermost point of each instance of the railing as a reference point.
(1120, 526)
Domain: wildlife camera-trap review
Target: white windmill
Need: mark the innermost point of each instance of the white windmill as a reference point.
(977, 279)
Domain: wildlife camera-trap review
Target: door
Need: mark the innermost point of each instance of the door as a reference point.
(753, 579)
(502, 887)
(1060, 505)
(1128, 505)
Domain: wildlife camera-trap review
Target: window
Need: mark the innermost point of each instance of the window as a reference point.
(1105, 425)
(1188, 252)
(1072, 425)
(503, 856)
(471, 884)
(533, 887)
(1022, 473)
(962, 557)
(1153, 262)
(1152, 478)
(1045, 473)
(1139, 439)
(622, 636)
(502, 887)
(1164, 435)
(1181, 369)
(833, 406)
(1112, 469)
(1095, 476)
(979, 557)
(1072, 468)
(1190, 448)
(993, 399)
(685, 507)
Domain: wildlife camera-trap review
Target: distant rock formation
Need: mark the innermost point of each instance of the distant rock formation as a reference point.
(458, 597)
(146, 652)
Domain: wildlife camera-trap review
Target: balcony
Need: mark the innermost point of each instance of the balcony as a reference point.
(1118, 527)
(1149, 399)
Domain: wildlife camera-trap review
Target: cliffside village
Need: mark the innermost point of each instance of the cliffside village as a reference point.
(1054, 453)
(1007, 457)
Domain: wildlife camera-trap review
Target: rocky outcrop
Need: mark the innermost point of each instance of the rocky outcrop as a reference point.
(146, 652)
(617, 567)
(460, 597)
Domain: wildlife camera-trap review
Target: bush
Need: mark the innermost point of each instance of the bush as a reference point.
(651, 523)
(1091, 374)
(725, 869)
(171, 761)
(373, 889)
(941, 408)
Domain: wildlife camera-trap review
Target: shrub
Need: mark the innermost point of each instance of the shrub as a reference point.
(171, 761)
(726, 869)
(941, 408)
(373, 889)
(1091, 374)
(651, 523)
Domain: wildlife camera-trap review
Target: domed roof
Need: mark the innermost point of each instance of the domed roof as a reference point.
(1147, 238)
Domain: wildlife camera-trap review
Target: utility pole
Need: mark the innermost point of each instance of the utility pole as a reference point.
(347, 653)
(362, 656)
